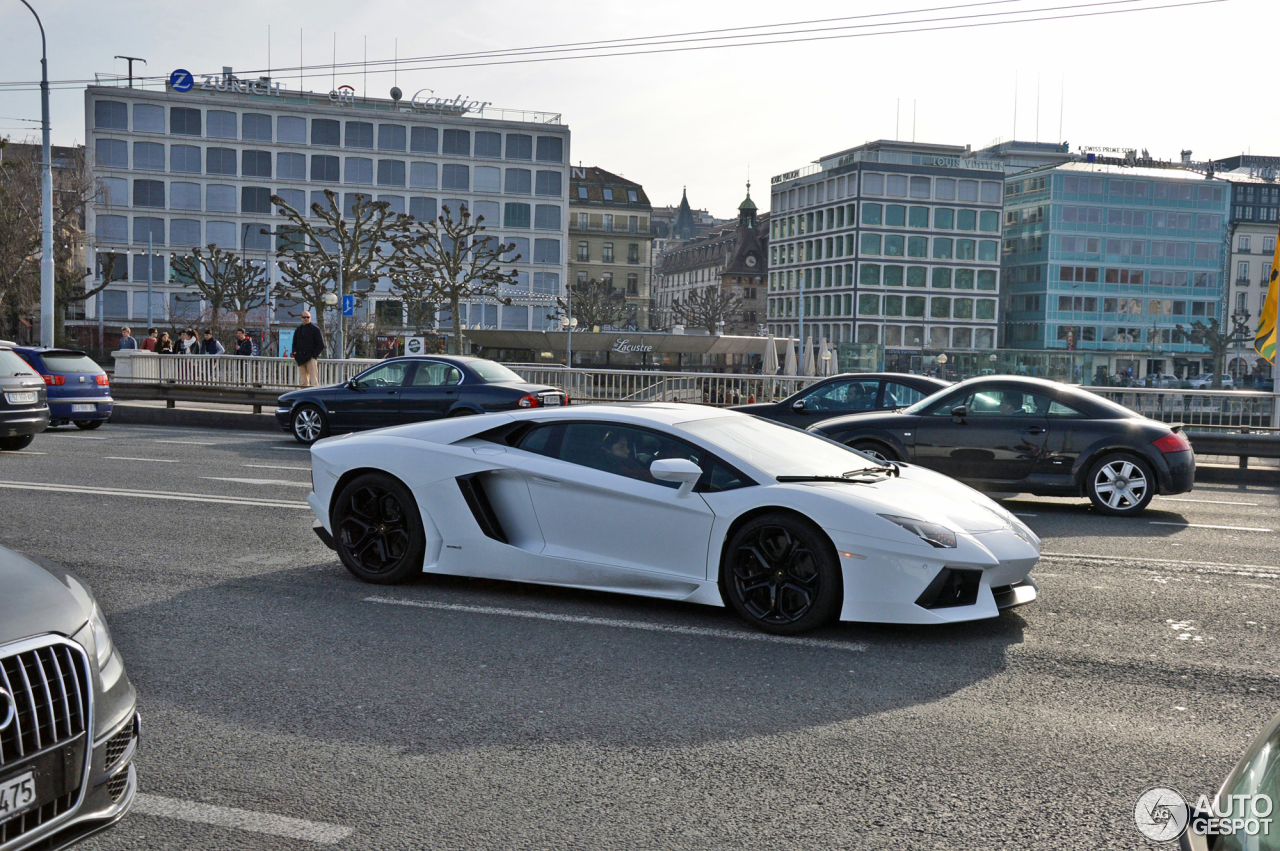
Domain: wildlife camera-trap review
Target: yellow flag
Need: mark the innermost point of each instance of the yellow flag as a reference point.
(1265, 341)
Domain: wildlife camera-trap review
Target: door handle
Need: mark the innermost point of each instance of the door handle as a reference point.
(1035, 430)
(544, 480)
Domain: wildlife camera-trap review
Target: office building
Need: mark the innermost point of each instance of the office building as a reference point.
(1251, 235)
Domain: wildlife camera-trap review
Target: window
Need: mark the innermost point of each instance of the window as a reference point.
(894, 245)
(606, 253)
(391, 173)
(324, 167)
(423, 175)
(488, 179)
(584, 253)
(291, 129)
(113, 153)
(112, 228)
(985, 308)
(633, 253)
(184, 196)
(148, 193)
(918, 217)
(990, 192)
(968, 190)
(942, 248)
(456, 176)
(222, 124)
(358, 170)
(221, 233)
(291, 166)
(941, 278)
(220, 161)
(422, 209)
(519, 146)
(184, 121)
(148, 118)
(966, 219)
(550, 149)
(149, 156)
(255, 199)
(256, 126)
(326, 131)
(391, 137)
(549, 183)
(515, 215)
(895, 215)
(144, 227)
(989, 221)
(295, 198)
(424, 140)
(871, 214)
(220, 198)
(519, 181)
(920, 187)
(183, 158)
(995, 403)
(873, 184)
(582, 192)
(546, 217)
(871, 243)
(359, 134)
(608, 221)
(457, 142)
(633, 284)
(944, 218)
(915, 306)
(255, 163)
(110, 115)
(546, 251)
(488, 144)
(916, 276)
(869, 275)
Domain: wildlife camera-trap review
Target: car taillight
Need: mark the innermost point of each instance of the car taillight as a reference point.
(54, 380)
(1175, 442)
(529, 401)
(103, 380)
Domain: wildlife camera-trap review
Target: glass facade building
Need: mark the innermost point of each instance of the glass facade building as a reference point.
(1110, 260)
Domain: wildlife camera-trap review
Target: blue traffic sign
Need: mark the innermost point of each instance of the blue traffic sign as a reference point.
(348, 305)
(181, 80)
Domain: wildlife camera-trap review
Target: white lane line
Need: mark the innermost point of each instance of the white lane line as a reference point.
(127, 458)
(1206, 501)
(644, 625)
(92, 491)
(293, 448)
(274, 467)
(291, 828)
(26, 452)
(1207, 526)
(76, 436)
(1260, 571)
(187, 442)
(257, 481)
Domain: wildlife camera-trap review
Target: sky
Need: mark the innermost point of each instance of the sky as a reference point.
(1165, 80)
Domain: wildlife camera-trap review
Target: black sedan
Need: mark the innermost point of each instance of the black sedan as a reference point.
(410, 390)
(846, 394)
(1026, 435)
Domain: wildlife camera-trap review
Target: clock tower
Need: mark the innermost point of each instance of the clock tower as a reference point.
(746, 273)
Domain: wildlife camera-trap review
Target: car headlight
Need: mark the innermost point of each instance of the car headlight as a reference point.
(101, 637)
(938, 536)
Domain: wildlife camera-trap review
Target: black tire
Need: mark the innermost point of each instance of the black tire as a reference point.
(1120, 484)
(875, 449)
(780, 573)
(308, 424)
(13, 444)
(377, 530)
(88, 425)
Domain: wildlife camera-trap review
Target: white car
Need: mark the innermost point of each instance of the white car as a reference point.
(682, 502)
(1205, 381)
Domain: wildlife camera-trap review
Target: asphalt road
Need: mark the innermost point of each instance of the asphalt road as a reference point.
(272, 687)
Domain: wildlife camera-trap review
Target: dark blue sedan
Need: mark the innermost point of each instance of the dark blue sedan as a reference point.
(79, 390)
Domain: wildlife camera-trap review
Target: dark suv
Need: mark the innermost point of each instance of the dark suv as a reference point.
(68, 714)
(24, 408)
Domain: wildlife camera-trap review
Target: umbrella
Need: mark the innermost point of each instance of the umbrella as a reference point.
(824, 358)
(806, 360)
(789, 367)
(833, 365)
(770, 364)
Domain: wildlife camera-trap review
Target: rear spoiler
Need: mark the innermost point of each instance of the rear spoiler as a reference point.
(1177, 426)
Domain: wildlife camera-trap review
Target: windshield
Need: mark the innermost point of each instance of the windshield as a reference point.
(926, 401)
(490, 371)
(70, 362)
(776, 449)
(1257, 776)
(11, 364)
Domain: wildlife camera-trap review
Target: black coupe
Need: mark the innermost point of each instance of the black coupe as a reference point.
(410, 390)
(1026, 435)
(846, 394)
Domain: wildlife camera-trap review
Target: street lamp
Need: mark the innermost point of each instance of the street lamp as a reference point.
(1241, 320)
(46, 195)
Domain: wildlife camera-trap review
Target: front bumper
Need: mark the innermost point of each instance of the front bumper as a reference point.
(283, 417)
(22, 421)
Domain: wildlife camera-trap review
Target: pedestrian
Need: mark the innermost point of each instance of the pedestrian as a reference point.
(126, 340)
(164, 346)
(308, 344)
(210, 346)
(187, 344)
(244, 346)
(150, 343)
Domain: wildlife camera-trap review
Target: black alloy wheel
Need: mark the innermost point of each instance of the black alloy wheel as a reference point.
(88, 425)
(378, 530)
(781, 575)
(309, 424)
(13, 444)
(875, 449)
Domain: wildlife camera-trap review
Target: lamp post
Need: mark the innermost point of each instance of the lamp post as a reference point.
(46, 195)
(1241, 321)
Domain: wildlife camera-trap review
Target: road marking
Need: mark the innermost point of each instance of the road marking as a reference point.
(187, 442)
(644, 625)
(27, 452)
(126, 458)
(292, 828)
(1206, 526)
(257, 481)
(275, 467)
(1258, 571)
(1206, 501)
(92, 491)
(76, 436)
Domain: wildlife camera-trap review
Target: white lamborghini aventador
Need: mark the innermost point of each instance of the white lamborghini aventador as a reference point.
(677, 501)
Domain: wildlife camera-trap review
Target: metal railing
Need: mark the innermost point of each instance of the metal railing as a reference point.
(226, 371)
(1215, 409)
(705, 388)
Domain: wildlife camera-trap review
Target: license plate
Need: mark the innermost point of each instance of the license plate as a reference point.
(21, 398)
(17, 794)
(83, 409)
(551, 401)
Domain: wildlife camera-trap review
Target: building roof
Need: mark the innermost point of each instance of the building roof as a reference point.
(683, 227)
(595, 181)
(1174, 172)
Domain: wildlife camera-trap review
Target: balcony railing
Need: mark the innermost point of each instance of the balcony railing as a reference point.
(623, 227)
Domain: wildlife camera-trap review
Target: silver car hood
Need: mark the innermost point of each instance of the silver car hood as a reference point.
(35, 600)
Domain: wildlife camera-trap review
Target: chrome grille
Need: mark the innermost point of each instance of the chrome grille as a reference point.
(50, 688)
(31, 819)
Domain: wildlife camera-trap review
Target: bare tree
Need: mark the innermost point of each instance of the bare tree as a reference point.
(710, 307)
(1217, 341)
(448, 260)
(329, 251)
(225, 280)
(597, 303)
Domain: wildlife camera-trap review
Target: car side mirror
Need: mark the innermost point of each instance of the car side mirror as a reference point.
(680, 470)
(352, 384)
(797, 405)
(959, 412)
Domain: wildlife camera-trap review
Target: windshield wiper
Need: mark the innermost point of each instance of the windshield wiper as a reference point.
(844, 477)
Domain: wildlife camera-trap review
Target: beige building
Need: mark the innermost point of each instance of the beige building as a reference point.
(1251, 233)
(610, 238)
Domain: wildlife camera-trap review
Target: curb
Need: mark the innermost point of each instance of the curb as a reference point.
(127, 414)
(1222, 474)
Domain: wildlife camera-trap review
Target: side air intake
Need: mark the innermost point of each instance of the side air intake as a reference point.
(472, 488)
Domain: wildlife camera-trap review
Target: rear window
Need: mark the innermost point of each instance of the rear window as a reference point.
(11, 364)
(70, 362)
(490, 371)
